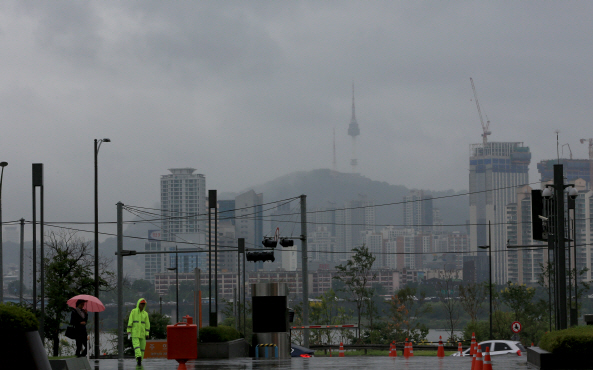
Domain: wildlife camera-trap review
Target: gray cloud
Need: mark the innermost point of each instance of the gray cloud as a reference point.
(247, 91)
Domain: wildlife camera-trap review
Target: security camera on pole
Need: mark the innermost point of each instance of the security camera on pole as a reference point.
(548, 225)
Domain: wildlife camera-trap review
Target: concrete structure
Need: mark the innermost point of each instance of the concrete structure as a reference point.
(523, 266)
(183, 203)
(496, 170)
(418, 212)
(153, 263)
(573, 169)
(249, 222)
(352, 221)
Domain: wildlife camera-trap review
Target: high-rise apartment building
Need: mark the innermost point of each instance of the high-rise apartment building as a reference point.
(154, 263)
(524, 265)
(418, 210)
(183, 203)
(496, 169)
(352, 223)
(249, 221)
(573, 169)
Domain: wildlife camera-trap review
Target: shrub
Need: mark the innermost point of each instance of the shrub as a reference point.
(17, 318)
(211, 334)
(577, 340)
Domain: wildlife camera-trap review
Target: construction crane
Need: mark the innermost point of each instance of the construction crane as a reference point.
(484, 126)
(570, 151)
(590, 161)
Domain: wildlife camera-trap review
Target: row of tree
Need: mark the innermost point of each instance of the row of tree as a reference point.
(462, 308)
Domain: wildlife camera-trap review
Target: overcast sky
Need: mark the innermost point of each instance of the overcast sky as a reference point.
(245, 91)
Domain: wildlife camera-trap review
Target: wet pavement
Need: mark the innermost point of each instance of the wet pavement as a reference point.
(506, 362)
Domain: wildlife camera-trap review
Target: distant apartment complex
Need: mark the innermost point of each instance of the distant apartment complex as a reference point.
(496, 170)
(183, 203)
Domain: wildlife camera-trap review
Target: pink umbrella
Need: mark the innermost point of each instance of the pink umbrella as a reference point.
(92, 304)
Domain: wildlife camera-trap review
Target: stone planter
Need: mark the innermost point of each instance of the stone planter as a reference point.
(24, 349)
(232, 349)
(545, 360)
(80, 363)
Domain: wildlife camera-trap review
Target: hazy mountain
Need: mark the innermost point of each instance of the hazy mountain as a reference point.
(323, 188)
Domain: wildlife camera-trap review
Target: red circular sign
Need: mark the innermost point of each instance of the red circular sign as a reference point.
(516, 327)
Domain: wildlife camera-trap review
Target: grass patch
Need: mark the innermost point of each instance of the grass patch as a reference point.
(376, 352)
(577, 340)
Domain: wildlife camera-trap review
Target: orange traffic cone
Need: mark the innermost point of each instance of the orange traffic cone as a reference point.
(487, 361)
(394, 350)
(330, 352)
(406, 349)
(472, 348)
(474, 361)
(341, 354)
(411, 349)
(532, 344)
(390, 349)
(441, 350)
(460, 349)
(519, 352)
(479, 360)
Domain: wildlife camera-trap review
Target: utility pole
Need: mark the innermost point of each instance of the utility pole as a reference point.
(120, 283)
(304, 269)
(560, 251)
(22, 263)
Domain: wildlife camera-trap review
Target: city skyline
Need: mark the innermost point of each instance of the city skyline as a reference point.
(254, 91)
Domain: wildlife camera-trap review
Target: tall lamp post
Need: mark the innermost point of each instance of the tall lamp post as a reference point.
(489, 247)
(2, 164)
(96, 153)
(176, 269)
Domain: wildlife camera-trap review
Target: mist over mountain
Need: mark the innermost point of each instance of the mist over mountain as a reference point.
(324, 189)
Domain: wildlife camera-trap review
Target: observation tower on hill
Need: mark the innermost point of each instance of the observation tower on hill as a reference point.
(353, 131)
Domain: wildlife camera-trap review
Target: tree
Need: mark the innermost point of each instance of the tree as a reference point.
(472, 297)
(404, 310)
(69, 271)
(447, 287)
(356, 274)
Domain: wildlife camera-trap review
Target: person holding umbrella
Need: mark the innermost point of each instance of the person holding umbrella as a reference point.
(82, 304)
(138, 328)
(78, 320)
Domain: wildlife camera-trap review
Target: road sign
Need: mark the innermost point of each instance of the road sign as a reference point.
(516, 327)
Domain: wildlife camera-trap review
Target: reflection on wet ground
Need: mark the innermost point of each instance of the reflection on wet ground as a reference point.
(347, 363)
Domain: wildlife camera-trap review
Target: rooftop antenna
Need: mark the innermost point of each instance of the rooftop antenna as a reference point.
(557, 145)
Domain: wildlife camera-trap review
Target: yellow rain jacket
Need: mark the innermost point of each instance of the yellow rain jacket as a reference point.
(138, 324)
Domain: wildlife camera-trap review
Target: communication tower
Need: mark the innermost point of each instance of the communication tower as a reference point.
(353, 131)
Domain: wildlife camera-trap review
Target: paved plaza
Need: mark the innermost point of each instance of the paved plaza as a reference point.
(335, 363)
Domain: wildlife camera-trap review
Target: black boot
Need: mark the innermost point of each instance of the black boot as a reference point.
(139, 360)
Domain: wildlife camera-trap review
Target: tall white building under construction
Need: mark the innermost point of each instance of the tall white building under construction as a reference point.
(496, 169)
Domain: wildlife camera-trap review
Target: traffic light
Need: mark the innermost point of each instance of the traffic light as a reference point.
(269, 243)
(286, 242)
(260, 256)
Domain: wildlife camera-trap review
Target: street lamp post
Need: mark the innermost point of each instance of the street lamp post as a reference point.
(489, 247)
(96, 153)
(2, 164)
(176, 269)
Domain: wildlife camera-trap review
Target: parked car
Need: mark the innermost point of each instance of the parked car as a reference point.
(498, 347)
(299, 351)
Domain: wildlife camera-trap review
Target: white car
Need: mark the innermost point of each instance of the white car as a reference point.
(498, 347)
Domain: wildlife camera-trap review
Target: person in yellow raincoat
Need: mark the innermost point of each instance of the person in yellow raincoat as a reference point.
(138, 328)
